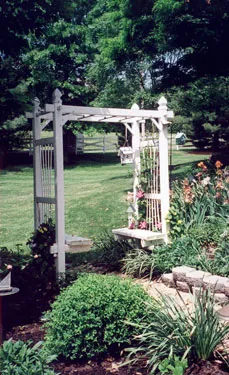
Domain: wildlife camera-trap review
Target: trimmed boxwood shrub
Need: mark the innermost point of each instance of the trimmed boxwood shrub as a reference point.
(88, 318)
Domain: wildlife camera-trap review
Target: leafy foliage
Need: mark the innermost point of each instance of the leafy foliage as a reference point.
(35, 277)
(87, 318)
(183, 251)
(202, 111)
(139, 263)
(174, 329)
(20, 358)
(12, 258)
(173, 365)
(110, 252)
(40, 243)
(221, 256)
(202, 197)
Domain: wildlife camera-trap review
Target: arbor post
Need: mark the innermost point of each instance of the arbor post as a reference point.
(136, 158)
(164, 162)
(37, 173)
(59, 181)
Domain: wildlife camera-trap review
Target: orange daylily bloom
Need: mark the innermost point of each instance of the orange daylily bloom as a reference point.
(218, 164)
(202, 166)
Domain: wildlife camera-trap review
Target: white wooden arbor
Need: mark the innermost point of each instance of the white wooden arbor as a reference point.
(49, 171)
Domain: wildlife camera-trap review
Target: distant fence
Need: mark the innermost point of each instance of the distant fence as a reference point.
(106, 143)
(80, 144)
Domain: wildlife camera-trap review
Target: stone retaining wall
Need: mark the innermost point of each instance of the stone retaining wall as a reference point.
(187, 279)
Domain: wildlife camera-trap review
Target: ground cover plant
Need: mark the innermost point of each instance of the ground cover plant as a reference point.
(88, 318)
(20, 358)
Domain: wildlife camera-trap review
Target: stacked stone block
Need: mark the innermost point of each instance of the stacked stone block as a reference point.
(188, 279)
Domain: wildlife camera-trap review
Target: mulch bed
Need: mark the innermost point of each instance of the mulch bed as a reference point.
(109, 366)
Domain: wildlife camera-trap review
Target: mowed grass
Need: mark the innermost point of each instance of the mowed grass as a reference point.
(95, 195)
(95, 198)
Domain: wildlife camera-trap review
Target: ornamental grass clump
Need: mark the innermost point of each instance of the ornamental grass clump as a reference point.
(88, 318)
(175, 329)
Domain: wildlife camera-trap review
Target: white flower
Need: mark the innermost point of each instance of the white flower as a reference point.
(206, 181)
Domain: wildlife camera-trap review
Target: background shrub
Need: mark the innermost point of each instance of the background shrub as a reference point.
(221, 256)
(183, 251)
(19, 358)
(87, 319)
(208, 233)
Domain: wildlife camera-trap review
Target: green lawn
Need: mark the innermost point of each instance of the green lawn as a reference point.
(95, 198)
(95, 195)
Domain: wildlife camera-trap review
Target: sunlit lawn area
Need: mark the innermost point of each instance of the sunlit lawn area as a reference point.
(95, 195)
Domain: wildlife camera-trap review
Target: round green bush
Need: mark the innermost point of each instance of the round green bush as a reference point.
(88, 318)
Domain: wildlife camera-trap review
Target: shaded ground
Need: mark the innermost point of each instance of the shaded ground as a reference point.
(109, 366)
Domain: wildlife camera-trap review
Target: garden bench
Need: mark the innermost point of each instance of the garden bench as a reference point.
(74, 244)
(142, 238)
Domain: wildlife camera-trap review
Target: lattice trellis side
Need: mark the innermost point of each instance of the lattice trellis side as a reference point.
(45, 201)
(150, 181)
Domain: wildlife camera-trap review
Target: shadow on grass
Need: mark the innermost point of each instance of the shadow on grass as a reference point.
(180, 171)
(16, 168)
(93, 160)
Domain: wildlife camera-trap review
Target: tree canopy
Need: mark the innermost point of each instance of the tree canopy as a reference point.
(116, 52)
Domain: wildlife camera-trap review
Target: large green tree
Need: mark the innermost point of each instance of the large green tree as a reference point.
(44, 47)
(116, 52)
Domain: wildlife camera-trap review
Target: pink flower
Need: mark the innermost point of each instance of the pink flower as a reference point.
(132, 225)
(140, 194)
(143, 225)
(9, 267)
(158, 226)
(199, 174)
(35, 256)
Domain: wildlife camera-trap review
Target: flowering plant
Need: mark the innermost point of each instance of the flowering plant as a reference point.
(195, 199)
(40, 242)
(147, 212)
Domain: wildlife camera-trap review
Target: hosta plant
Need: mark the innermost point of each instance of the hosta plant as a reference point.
(20, 358)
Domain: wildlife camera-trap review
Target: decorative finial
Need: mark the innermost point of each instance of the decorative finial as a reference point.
(162, 104)
(36, 104)
(56, 96)
(135, 106)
